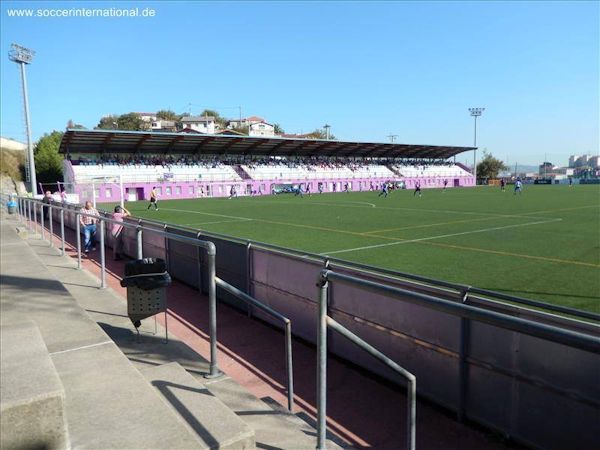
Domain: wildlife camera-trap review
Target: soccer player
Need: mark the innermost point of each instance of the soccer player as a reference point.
(308, 190)
(153, 199)
(320, 188)
(417, 189)
(502, 185)
(518, 187)
(232, 193)
(570, 181)
(298, 191)
(445, 185)
(384, 190)
(346, 187)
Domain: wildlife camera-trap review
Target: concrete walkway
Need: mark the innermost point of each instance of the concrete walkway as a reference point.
(363, 411)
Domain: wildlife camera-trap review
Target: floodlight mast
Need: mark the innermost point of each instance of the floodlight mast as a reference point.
(475, 113)
(22, 56)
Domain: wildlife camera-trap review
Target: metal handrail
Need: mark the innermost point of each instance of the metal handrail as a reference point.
(375, 270)
(288, 333)
(581, 341)
(26, 205)
(325, 321)
(552, 333)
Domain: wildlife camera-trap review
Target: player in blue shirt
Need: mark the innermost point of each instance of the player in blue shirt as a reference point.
(518, 187)
(384, 190)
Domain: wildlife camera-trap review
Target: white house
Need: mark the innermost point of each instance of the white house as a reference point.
(261, 129)
(163, 125)
(147, 117)
(202, 124)
(245, 122)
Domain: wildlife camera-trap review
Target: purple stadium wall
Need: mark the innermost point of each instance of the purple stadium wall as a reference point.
(109, 192)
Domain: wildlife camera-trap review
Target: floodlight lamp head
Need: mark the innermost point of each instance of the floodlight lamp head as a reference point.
(20, 54)
(476, 111)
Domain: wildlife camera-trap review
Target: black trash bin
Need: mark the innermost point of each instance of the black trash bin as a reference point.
(146, 281)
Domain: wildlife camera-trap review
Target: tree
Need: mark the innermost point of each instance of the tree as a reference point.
(319, 134)
(489, 166)
(220, 121)
(75, 126)
(109, 122)
(131, 121)
(167, 114)
(48, 162)
(277, 128)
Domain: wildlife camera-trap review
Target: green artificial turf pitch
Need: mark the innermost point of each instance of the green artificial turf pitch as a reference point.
(543, 244)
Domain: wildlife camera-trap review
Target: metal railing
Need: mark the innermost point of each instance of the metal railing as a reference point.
(288, 333)
(325, 321)
(29, 205)
(455, 306)
(456, 288)
(466, 312)
(26, 205)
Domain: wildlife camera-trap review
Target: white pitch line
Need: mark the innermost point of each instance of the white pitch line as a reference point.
(207, 214)
(408, 241)
(401, 208)
(218, 221)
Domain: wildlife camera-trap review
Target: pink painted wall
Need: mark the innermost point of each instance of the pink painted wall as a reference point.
(181, 190)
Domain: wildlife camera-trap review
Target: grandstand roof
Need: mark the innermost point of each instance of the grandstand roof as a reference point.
(115, 141)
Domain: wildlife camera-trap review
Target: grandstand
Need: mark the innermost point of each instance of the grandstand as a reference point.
(189, 166)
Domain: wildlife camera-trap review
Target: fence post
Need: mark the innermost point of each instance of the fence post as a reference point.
(29, 214)
(139, 248)
(62, 231)
(34, 218)
(78, 232)
(51, 224)
(322, 365)
(43, 225)
(248, 275)
(166, 245)
(102, 256)
(289, 364)
(212, 310)
(465, 326)
(411, 432)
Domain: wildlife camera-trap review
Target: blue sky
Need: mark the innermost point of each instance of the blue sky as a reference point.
(367, 68)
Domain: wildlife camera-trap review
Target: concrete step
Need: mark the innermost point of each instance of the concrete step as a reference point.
(108, 403)
(111, 405)
(213, 422)
(32, 413)
(274, 427)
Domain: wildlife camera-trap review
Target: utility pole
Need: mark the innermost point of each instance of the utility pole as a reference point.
(327, 127)
(392, 137)
(475, 113)
(23, 56)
